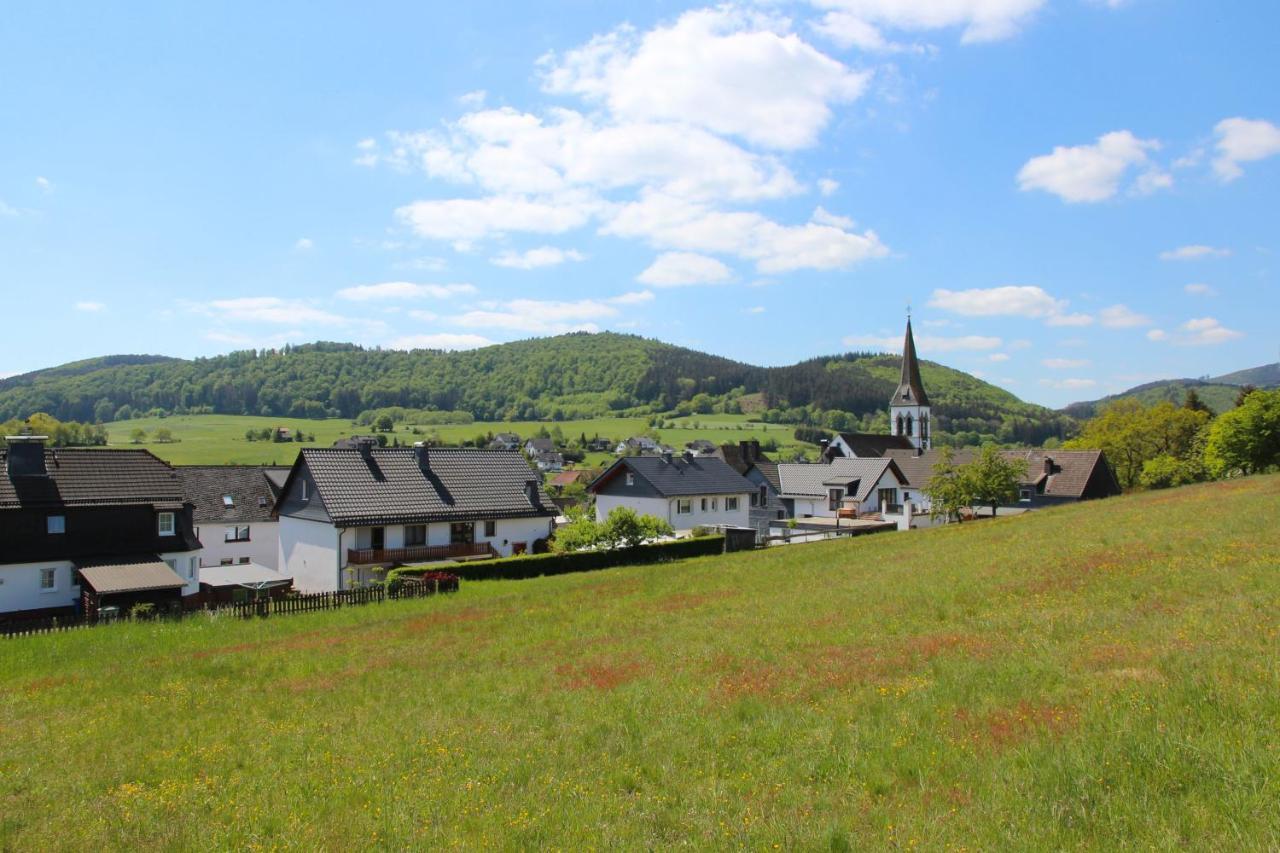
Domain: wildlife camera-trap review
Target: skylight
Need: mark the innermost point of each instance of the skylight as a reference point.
(228, 501)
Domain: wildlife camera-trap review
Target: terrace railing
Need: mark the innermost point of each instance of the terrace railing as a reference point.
(419, 553)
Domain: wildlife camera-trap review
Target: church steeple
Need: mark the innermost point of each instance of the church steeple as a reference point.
(909, 410)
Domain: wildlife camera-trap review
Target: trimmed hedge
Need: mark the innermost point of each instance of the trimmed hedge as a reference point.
(536, 565)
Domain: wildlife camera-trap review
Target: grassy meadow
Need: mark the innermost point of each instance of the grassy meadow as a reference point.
(1098, 676)
(220, 439)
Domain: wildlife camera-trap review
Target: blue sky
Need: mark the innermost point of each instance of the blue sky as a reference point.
(1074, 196)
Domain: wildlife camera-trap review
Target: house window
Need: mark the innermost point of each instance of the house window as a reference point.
(236, 534)
(684, 506)
(715, 504)
(462, 533)
(764, 496)
(225, 561)
(704, 504)
(244, 561)
(304, 489)
(172, 563)
(228, 501)
(1024, 494)
(165, 524)
(48, 580)
(887, 497)
(833, 498)
(631, 479)
(191, 567)
(491, 528)
(731, 504)
(754, 500)
(56, 524)
(415, 534)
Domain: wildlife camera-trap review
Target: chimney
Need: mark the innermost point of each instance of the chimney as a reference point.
(423, 454)
(749, 450)
(1048, 464)
(365, 446)
(666, 456)
(688, 456)
(531, 492)
(26, 455)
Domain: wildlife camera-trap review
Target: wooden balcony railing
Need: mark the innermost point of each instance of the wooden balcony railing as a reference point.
(418, 554)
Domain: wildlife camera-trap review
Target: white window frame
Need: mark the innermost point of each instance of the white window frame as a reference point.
(172, 520)
(191, 568)
(731, 504)
(55, 521)
(631, 479)
(491, 528)
(684, 506)
(232, 534)
(52, 575)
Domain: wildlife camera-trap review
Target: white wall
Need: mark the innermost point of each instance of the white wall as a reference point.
(819, 506)
(20, 586)
(507, 532)
(665, 508)
(187, 566)
(262, 548)
(310, 553)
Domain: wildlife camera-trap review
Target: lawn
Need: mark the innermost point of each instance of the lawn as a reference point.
(1097, 676)
(220, 439)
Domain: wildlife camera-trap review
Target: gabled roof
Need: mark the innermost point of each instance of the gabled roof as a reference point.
(769, 469)
(866, 444)
(701, 475)
(910, 390)
(813, 480)
(1071, 469)
(250, 488)
(85, 477)
(540, 445)
(391, 486)
(136, 574)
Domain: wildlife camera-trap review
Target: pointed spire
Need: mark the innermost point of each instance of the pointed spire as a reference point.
(910, 387)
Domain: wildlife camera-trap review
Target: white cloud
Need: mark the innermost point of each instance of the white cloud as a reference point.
(1092, 173)
(7, 210)
(1157, 335)
(1197, 289)
(1122, 317)
(44, 184)
(543, 317)
(440, 340)
(1007, 301)
(755, 309)
(1242, 140)
(732, 71)
(827, 186)
(543, 256)
(1070, 320)
(90, 307)
(303, 244)
(269, 309)
(1073, 384)
(403, 290)
(855, 22)
(1193, 253)
(998, 356)
(673, 269)
(1065, 363)
(1205, 331)
(926, 343)
(424, 316)
(474, 98)
(465, 219)
(635, 297)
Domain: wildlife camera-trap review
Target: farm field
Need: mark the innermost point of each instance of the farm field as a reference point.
(220, 439)
(1097, 676)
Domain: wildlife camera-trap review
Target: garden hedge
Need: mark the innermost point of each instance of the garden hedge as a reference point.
(536, 565)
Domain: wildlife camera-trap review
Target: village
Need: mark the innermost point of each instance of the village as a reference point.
(99, 534)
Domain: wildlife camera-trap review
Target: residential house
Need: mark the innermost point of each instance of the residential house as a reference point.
(1052, 476)
(505, 441)
(701, 447)
(353, 441)
(233, 512)
(864, 445)
(637, 445)
(688, 491)
(347, 515)
(599, 445)
(862, 485)
(563, 480)
(82, 529)
(535, 446)
(766, 509)
(549, 461)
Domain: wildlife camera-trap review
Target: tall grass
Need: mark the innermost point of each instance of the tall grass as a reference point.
(1098, 676)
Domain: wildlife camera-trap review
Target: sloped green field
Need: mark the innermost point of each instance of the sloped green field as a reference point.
(1101, 676)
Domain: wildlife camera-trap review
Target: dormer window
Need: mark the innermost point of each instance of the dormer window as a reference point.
(165, 524)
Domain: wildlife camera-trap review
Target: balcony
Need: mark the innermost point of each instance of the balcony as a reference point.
(419, 554)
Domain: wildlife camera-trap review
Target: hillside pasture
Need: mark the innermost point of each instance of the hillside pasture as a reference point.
(1098, 676)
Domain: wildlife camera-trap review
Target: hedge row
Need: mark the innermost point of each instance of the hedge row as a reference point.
(536, 565)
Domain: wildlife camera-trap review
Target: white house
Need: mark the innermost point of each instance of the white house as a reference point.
(82, 528)
(233, 512)
(863, 485)
(346, 515)
(688, 491)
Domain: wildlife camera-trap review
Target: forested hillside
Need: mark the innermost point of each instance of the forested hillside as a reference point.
(1217, 392)
(565, 377)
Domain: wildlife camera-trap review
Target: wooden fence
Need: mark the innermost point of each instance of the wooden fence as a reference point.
(437, 582)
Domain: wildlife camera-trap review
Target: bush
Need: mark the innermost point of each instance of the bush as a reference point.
(538, 565)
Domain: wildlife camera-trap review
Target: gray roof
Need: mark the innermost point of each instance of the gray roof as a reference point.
(813, 479)
(85, 477)
(865, 444)
(135, 575)
(391, 486)
(910, 389)
(242, 574)
(252, 492)
(1071, 469)
(701, 475)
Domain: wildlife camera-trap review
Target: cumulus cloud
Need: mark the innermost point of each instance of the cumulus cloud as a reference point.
(1242, 140)
(303, 244)
(998, 356)
(1205, 331)
(1197, 289)
(859, 22)
(1093, 173)
(1122, 317)
(539, 317)
(440, 341)
(44, 184)
(543, 256)
(733, 71)
(1028, 301)
(467, 219)
(1157, 335)
(926, 343)
(827, 186)
(269, 309)
(1194, 253)
(403, 290)
(674, 269)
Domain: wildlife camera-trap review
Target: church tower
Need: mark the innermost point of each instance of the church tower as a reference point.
(909, 409)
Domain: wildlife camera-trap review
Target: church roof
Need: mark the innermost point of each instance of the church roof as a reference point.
(910, 388)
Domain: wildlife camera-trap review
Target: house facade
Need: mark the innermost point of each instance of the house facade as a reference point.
(233, 512)
(863, 485)
(82, 528)
(765, 508)
(687, 491)
(348, 515)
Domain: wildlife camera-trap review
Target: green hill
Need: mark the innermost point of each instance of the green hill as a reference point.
(1218, 392)
(1095, 677)
(1265, 376)
(566, 377)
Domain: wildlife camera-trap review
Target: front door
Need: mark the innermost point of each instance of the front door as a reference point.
(462, 533)
(377, 538)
